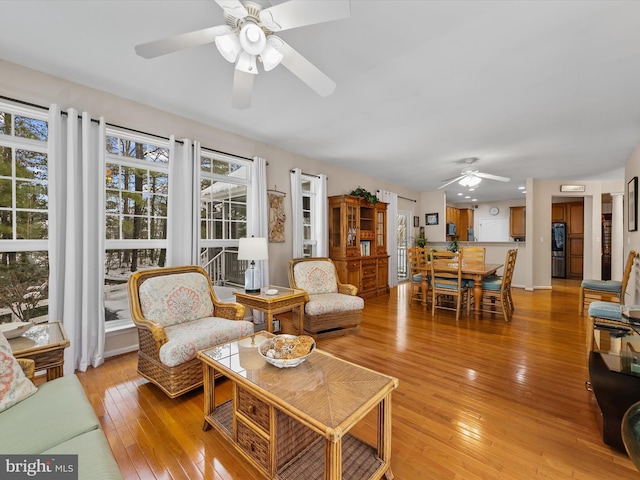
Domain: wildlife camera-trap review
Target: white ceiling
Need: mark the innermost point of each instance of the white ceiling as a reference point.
(540, 89)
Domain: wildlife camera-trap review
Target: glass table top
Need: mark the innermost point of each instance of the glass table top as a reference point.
(324, 387)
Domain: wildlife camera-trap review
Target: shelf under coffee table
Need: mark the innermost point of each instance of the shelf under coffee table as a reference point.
(288, 421)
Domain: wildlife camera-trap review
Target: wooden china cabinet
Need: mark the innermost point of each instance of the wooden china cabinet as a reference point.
(358, 243)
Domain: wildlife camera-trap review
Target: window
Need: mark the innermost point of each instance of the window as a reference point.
(309, 213)
(24, 213)
(308, 227)
(224, 191)
(136, 200)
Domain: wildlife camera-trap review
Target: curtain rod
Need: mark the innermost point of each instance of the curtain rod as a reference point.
(307, 174)
(400, 196)
(21, 102)
(213, 150)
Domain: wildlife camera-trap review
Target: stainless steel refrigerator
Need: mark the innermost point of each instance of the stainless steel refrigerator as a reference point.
(559, 249)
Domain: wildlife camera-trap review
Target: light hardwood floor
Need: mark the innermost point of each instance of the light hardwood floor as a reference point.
(482, 399)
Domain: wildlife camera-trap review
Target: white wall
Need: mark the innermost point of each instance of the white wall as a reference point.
(632, 239)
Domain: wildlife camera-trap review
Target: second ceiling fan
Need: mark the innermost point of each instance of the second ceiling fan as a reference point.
(248, 38)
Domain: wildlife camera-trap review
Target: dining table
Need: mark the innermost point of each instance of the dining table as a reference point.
(475, 272)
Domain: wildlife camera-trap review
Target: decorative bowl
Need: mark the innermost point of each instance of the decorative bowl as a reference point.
(268, 351)
(14, 329)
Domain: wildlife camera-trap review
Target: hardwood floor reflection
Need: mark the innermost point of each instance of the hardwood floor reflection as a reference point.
(478, 399)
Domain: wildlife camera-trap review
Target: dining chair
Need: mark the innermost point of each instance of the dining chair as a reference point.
(612, 290)
(499, 289)
(417, 258)
(474, 256)
(448, 289)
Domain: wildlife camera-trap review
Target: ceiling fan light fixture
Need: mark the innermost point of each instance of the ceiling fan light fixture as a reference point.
(252, 38)
(228, 46)
(247, 63)
(470, 181)
(270, 58)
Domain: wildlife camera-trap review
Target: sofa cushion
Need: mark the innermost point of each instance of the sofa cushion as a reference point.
(316, 276)
(173, 299)
(95, 459)
(58, 412)
(186, 339)
(332, 303)
(14, 386)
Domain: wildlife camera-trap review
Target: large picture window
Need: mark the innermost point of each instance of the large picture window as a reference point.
(136, 199)
(24, 213)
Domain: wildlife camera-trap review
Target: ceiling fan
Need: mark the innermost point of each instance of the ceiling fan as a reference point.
(470, 177)
(248, 37)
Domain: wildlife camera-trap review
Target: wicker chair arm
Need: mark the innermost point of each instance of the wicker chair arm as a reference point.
(232, 311)
(157, 330)
(347, 289)
(28, 367)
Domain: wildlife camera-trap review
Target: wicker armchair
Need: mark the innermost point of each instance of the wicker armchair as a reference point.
(178, 314)
(333, 309)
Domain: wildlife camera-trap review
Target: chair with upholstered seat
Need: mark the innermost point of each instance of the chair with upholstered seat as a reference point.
(178, 314)
(611, 290)
(332, 308)
(417, 257)
(449, 291)
(498, 289)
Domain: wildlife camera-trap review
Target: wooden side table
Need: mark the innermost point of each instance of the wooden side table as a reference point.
(286, 299)
(44, 343)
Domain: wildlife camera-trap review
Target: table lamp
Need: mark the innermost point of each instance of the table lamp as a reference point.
(252, 249)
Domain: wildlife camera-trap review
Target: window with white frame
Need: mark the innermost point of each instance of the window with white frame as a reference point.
(24, 213)
(309, 240)
(224, 208)
(309, 214)
(136, 199)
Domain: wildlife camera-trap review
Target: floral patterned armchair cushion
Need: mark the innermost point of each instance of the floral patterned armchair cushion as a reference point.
(324, 303)
(316, 277)
(174, 299)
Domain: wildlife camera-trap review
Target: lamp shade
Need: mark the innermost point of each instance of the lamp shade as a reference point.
(270, 58)
(253, 248)
(228, 46)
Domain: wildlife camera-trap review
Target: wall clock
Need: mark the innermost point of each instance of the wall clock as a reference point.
(494, 210)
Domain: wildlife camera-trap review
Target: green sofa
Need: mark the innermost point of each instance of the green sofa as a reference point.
(58, 419)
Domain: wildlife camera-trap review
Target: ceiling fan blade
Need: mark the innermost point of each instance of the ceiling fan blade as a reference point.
(451, 180)
(233, 8)
(180, 42)
(303, 68)
(295, 14)
(492, 177)
(242, 89)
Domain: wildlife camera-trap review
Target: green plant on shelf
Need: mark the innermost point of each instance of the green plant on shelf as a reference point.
(367, 195)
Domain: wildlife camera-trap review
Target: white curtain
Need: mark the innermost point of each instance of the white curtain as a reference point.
(183, 210)
(321, 220)
(297, 237)
(392, 232)
(76, 234)
(259, 223)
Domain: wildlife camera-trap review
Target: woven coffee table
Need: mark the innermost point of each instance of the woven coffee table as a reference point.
(294, 423)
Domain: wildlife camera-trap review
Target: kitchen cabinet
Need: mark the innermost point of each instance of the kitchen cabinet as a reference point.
(518, 223)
